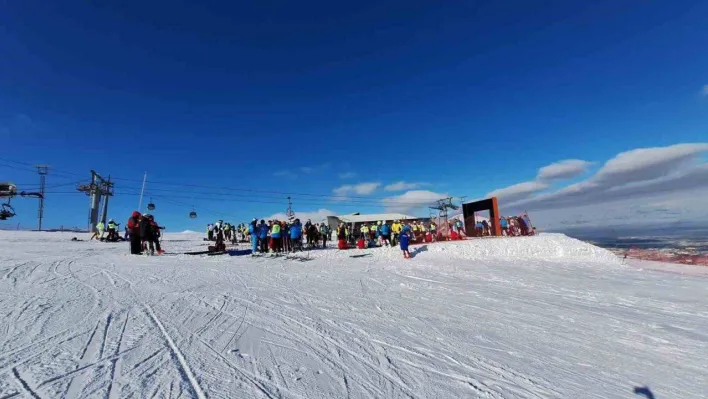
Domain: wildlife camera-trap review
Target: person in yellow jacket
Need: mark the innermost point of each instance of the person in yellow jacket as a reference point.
(433, 230)
(98, 232)
(396, 228)
(364, 232)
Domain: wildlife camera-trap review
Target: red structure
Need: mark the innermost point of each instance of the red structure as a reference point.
(489, 204)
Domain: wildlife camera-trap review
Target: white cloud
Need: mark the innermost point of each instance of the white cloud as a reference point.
(704, 91)
(401, 186)
(566, 169)
(361, 189)
(307, 169)
(411, 200)
(347, 175)
(518, 191)
(640, 173)
(316, 216)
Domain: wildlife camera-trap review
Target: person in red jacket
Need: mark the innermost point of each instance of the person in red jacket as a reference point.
(134, 228)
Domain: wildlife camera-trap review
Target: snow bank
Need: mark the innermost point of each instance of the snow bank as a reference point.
(545, 247)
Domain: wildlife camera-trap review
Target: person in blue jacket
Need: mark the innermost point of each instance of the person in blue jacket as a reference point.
(253, 229)
(386, 234)
(404, 239)
(504, 226)
(263, 236)
(296, 235)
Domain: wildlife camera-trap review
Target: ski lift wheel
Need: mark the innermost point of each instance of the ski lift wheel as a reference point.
(193, 215)
(151, 206)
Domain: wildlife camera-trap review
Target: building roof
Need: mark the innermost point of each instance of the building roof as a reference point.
(375, 217)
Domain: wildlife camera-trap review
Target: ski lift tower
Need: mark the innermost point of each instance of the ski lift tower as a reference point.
(289, 213)
(97, 188)
(442, 207)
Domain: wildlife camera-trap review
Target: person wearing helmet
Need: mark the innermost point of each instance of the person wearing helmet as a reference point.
(134, 228)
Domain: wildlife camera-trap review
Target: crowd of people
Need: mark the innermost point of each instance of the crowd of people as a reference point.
(144, 234)
(113, 236)
(278, 236)
(272, 236)
(511, 226)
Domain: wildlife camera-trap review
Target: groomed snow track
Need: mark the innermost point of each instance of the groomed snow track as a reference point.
(536, 317)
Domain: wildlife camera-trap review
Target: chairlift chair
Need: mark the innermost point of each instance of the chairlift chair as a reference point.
(6, 211)
(8, 190)
(151, 206)
(192, 215)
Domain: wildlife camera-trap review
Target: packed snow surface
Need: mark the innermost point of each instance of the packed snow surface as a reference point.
(534, 317)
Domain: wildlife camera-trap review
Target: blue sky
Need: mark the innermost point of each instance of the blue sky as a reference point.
(266, 98)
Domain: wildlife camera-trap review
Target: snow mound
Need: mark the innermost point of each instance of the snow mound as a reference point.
(189, 232)
(546, 247)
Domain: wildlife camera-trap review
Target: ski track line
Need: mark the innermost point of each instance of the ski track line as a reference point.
(203, 328)
(277, 366)
(115, 360)
(175, 350)
(88, 366)
(409, 392)
(24, 385)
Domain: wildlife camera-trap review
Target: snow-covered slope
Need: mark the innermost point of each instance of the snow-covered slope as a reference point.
(532, 317)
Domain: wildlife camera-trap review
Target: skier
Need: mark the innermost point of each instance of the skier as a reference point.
(227, 231)
(386, 234)
(154, 237)
(324, 232)
(276, 236)
(433, 230)
(210, 232)
(364, 232)
(504, 226)
(396, 229)
(113, 230)
(253, 230)
(312, 235)
(134, 227)
(147, 234)
(404, 241)
(342, 236)
(98, 231)
(296, 235)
